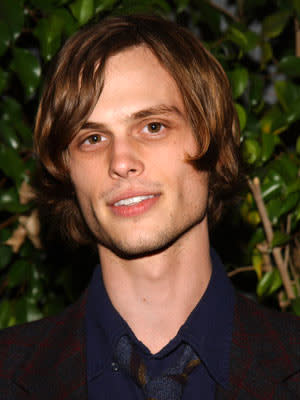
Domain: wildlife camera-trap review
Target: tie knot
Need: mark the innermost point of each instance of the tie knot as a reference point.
(167, 386)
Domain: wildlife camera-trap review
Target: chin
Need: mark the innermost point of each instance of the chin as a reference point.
(145, 246)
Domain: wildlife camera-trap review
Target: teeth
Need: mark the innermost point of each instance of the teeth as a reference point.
(132, 200)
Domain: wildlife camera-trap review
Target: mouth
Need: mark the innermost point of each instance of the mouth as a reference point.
(132, 200)
(130, 206)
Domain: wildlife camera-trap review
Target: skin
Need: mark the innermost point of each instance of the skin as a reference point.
(154, 256)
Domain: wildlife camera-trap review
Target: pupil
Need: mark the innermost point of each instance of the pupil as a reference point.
(154, 126)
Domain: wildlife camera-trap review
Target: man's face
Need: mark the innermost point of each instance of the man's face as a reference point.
(136, 191)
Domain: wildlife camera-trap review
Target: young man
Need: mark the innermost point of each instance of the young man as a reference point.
(137, 140)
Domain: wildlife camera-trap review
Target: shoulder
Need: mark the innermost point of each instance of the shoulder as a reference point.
(17, 343)
(253, 317)
(268, 341)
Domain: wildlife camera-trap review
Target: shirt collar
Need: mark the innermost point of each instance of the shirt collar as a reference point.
(208, 329)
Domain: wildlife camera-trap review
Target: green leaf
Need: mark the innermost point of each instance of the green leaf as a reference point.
(26, 310)
(298, 145)
(257, 262)
(296, 5)
(10, 109)
(276, 282)
(45, 5)
(239, 81)
(5, 234)
(286, 168)
(296, 306)
(50, 30)
(242, 115)
(103, 5)
(273, 209)
(83, 10)
(24, 132)
(274, 121)
(252, 39)
(289, 203)
(4, 37)
(3, 80)
(257, 237)
(207, 14)
(144, 6)
(5, 311)
(293, 187)
(293, 113)
(287, 93)
(264, 284)
(269, 141)
(5, 255)
(267, 53)
(18, 273)
(251, 150)
(12, 12)
(21, 310)
(256, 89)
(33, 312)
(274, 24)
(29, 76)
(290, 65)
(279, 239)
(238, 37)
(8, 135)
(11, 163)
(270, 282)
(270, 190)
(9, 201)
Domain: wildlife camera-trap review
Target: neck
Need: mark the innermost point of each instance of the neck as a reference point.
(156, 294)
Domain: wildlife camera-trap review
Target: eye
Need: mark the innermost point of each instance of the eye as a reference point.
(153, 127)
(94, 139)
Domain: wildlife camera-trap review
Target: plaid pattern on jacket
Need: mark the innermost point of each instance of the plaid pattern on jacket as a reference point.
(46, 360)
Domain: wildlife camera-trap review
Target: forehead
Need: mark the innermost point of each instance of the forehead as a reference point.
(134, 79)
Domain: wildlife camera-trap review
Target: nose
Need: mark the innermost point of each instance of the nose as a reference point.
(125, 161)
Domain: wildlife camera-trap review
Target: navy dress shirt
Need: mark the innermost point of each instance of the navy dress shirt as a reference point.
(208, 330)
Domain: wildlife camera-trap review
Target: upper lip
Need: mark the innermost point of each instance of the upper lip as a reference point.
(130, 194)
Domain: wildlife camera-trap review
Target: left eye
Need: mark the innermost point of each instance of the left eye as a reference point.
(153, 127)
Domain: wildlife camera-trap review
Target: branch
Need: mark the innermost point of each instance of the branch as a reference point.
(256, 191)
(223, 11)
(255, 188)
(264, 249)
(239, 270)
(8, 222)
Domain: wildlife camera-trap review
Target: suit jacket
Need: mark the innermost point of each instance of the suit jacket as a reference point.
(46, 359)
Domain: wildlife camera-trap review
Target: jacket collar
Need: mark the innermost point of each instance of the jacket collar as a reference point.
(262, 353)
(55, 366)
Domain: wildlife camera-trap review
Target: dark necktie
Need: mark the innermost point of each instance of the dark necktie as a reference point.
(169, 385)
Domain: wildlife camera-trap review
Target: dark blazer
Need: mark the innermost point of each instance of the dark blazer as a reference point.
(46, 359)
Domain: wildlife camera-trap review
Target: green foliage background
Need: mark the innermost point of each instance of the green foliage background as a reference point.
(258, 44)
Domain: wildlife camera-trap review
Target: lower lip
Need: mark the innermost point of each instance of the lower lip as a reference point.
(135, 209)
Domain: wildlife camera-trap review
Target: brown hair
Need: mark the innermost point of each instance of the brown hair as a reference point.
(73, 88)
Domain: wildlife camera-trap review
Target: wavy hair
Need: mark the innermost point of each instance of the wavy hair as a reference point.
(74, 83)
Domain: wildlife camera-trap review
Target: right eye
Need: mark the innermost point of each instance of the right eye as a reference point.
(94, 139)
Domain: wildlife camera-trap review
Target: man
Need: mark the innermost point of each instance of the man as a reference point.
(137, 140)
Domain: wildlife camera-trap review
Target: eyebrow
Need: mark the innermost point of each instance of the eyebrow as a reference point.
(147, 112)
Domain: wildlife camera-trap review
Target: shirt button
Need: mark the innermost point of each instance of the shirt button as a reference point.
(115, 366)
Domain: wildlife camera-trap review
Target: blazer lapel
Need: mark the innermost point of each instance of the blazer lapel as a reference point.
(56, 369)
(262, 355)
